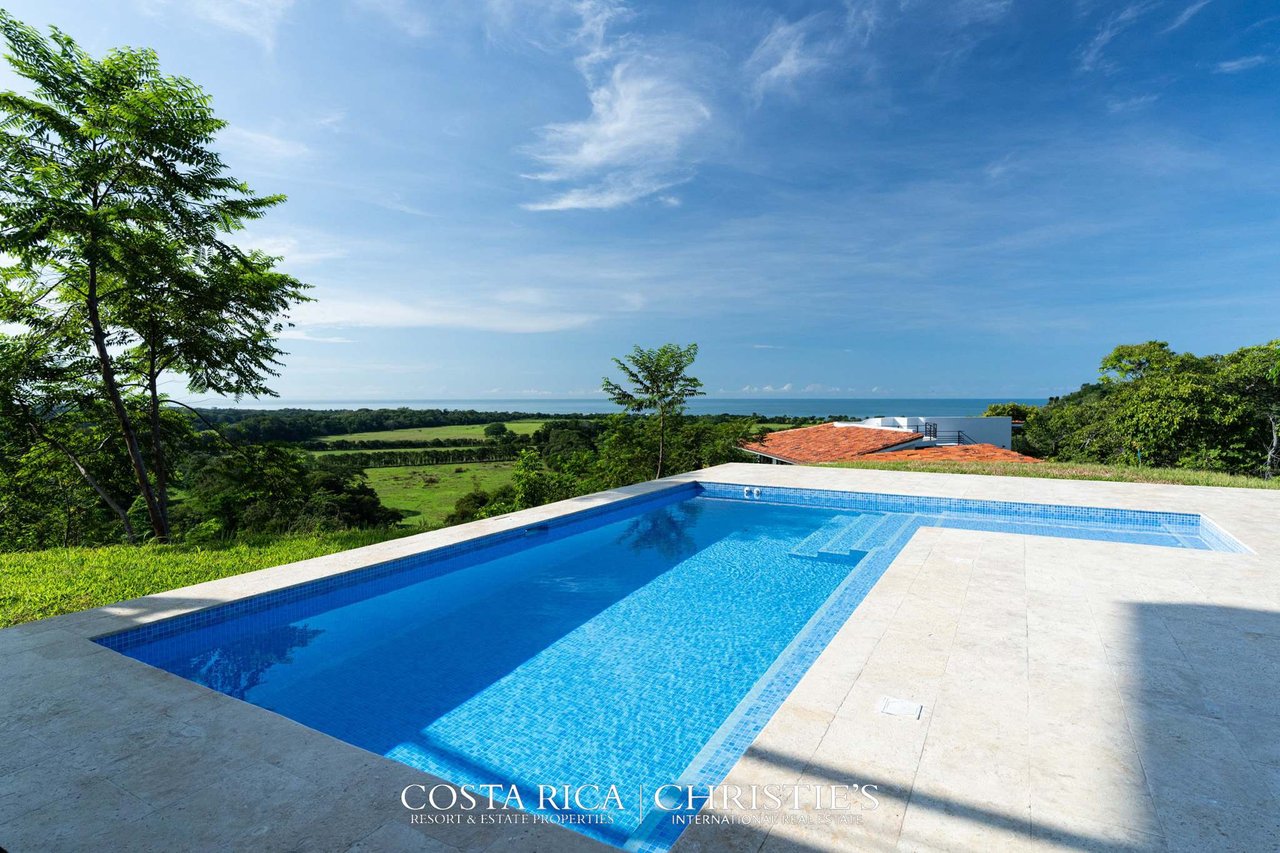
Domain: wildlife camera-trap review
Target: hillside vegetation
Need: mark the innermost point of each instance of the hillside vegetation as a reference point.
(1073, 471)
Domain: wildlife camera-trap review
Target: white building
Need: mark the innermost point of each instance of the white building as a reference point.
(941, 431)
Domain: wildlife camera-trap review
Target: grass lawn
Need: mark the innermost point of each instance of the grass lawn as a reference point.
(37, 584)
(62, 580)
(475, 431)
(411, 491)
(1077, 471)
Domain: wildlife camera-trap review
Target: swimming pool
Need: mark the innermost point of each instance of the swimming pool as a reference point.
(636, 645)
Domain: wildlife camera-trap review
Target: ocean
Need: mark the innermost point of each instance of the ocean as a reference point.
(853, 407)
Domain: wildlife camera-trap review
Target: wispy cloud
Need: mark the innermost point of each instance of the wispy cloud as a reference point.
(1127, 105)
(1244, 63)
(789, 52)
(257, 19)
(262, 146)
(630, 147)
(1186, 15)
(643, 116)
(296, 249)
(482, 314)
(979, 11)
(304, 335)
(1092, 54)
(405, 15)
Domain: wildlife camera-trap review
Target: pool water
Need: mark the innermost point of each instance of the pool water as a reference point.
(636, 646)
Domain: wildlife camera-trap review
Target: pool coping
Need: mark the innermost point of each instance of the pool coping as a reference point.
(1244, 515)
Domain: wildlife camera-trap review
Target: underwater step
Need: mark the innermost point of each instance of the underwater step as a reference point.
(837, 535)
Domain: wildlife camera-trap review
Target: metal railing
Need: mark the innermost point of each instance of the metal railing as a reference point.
(958, 436)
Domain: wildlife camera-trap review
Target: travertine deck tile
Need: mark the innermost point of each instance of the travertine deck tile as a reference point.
(1077, 695)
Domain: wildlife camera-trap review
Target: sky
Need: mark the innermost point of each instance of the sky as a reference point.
(933, 198)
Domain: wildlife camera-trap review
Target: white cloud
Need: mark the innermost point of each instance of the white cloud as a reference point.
(489, 314)
(303, 335)
(404, 15)
(332, 120)
(1244, 63)
(787, 53)
(766, 346)
(980, 11)
(1186, 15)
(257, 19)
(1125, 105)
(262, 146)
(1091, 57)
(631, 146)
(296, 249)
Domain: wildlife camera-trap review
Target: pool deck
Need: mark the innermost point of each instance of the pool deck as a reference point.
(1077, 695)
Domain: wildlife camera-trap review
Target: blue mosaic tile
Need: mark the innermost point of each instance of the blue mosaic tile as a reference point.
(848, 552)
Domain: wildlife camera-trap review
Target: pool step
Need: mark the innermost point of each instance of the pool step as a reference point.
(838, 537)
(889, 527)
(850, 537)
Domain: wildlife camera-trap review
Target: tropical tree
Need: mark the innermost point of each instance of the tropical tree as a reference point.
(659, 382)
(117, 215)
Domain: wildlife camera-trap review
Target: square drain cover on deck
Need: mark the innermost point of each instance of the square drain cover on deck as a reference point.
(901, 707)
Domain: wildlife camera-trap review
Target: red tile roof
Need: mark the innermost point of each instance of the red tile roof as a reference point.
(828, 443)
(958, 453)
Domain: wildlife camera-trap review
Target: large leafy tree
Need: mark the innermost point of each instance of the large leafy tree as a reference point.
(659, 382)
(116, 213)
(1155, 406)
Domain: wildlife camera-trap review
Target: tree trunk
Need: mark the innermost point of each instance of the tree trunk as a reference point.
(160, 469)
(662, 439)
(1273, 453)
(117, 405)
(84, 473)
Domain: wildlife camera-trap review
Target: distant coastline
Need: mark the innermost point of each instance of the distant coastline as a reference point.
(854, 407)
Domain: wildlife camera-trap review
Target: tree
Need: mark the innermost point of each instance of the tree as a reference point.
(116, 213)
(496, 430)
(1016, 411)
(270, 489)
(659, 382)
(1154, 406)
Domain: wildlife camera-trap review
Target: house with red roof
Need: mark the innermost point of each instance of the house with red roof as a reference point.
(906, 439)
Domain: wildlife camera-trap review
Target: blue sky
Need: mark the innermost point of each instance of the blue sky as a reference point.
(906, 198)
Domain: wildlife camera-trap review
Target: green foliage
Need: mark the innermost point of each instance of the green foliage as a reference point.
(403, 458)
(269, 489)
(250, 425)
(1157, 407)
(1017, 411)
(496, 430)
(116, 213)
(572, 458)
(659, 382)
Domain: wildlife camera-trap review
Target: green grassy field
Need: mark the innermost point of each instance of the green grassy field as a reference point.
(411, 491)
(475, 431)
(37, 584)
(62, 580)
(1076, 471)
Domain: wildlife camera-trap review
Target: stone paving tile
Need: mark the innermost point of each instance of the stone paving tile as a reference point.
(399, 836)
(43, 807)
(1073, 693)
(1052, 834)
